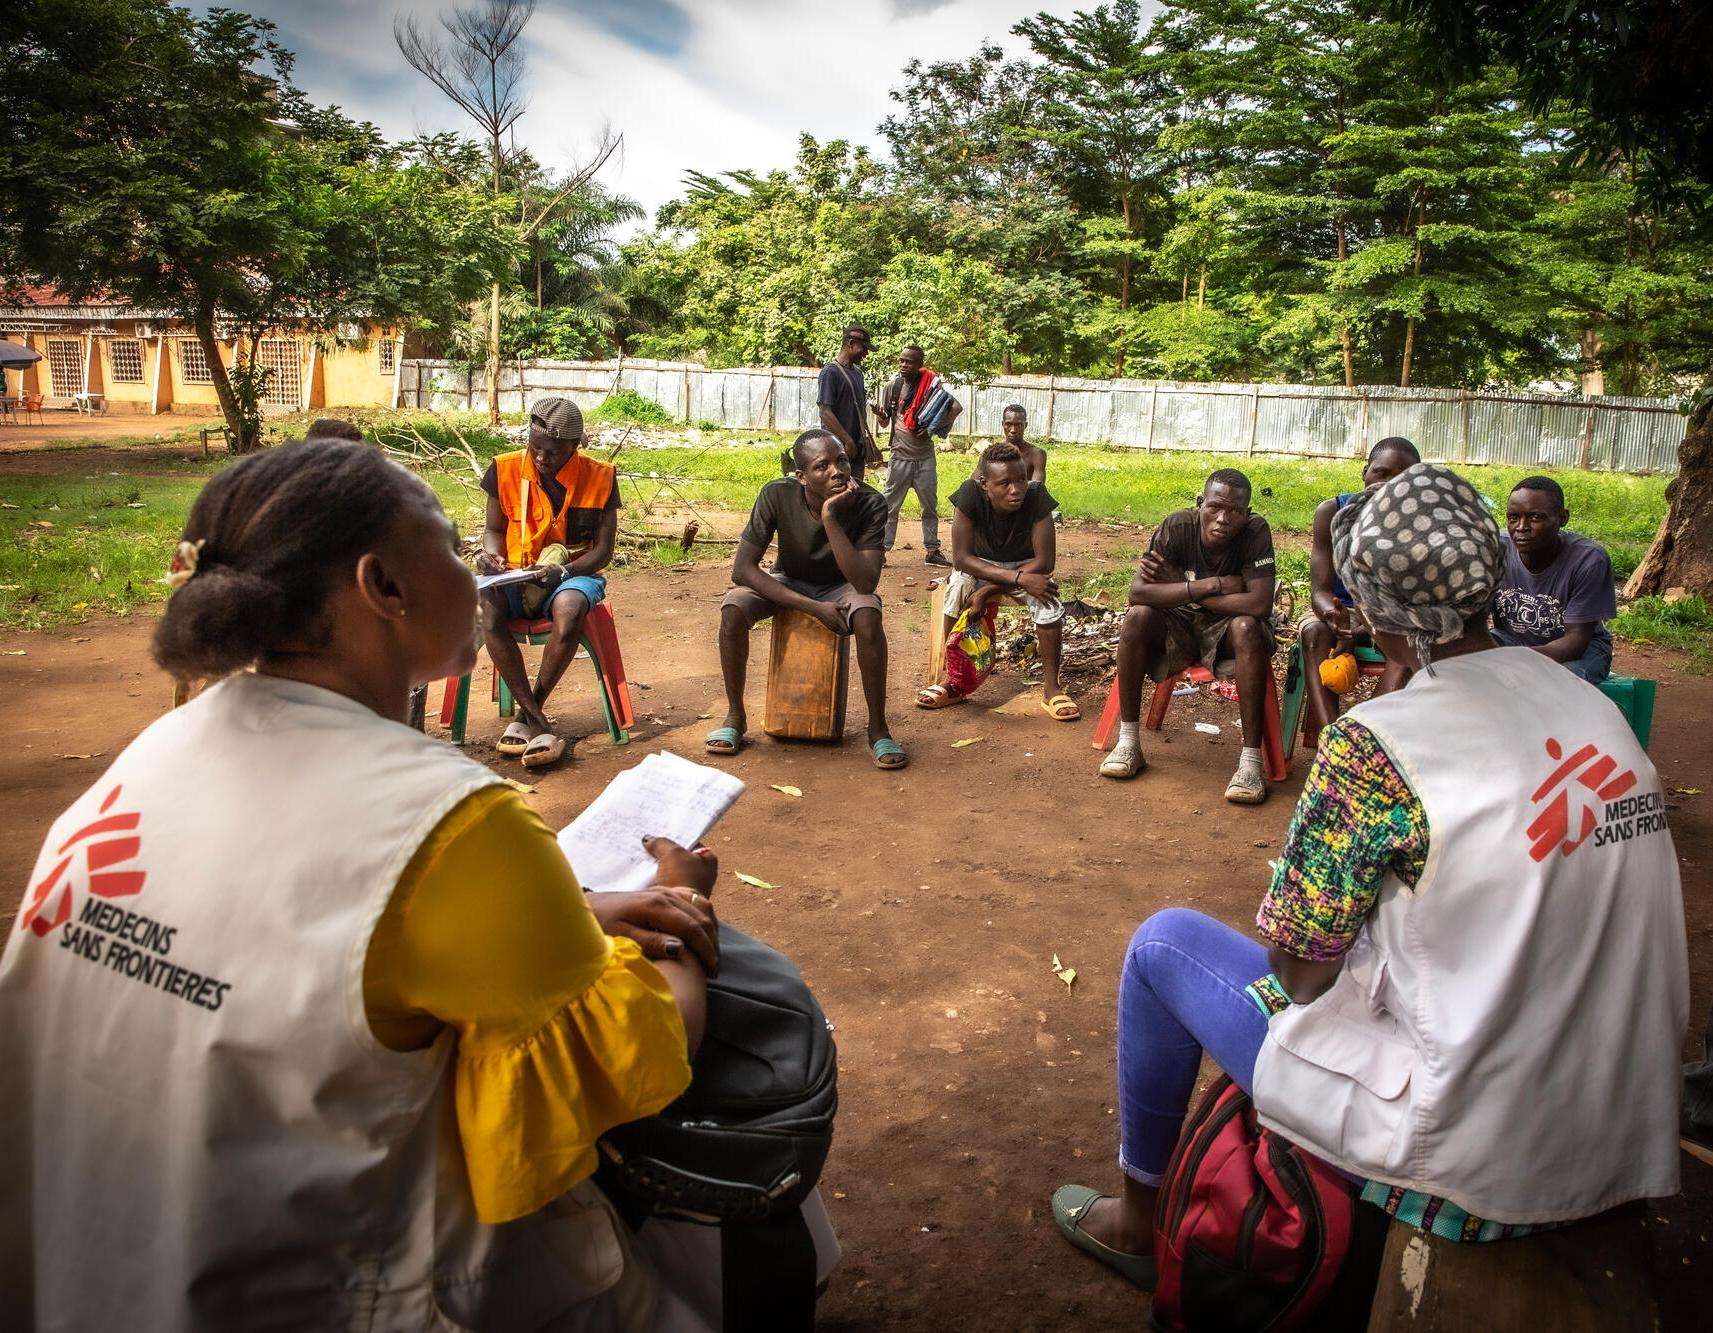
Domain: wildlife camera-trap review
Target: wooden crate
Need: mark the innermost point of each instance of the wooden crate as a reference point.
(808, 669)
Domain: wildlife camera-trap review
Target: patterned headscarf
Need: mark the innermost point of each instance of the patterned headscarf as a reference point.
(1420, 555)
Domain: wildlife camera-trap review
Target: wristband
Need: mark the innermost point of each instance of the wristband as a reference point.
(1189, 591)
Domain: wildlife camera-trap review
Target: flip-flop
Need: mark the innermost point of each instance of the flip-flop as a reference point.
(938, 696)
(1110, 768)
(515, 739)
(889, 754)
(1056, 708)
(1070, 1205)
(545, 749)
(723, 740)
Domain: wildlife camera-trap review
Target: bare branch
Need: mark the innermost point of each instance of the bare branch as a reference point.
(608, 144)
(478, 64)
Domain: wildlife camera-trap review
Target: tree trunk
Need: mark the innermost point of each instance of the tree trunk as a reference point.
(537, 242)
(494, 357)
(1344, 328)
(1416, 271)
(246, 435)
(1682, 552)
(1201, 289)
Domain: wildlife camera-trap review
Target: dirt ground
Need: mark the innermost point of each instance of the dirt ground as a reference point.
(925, 908)
(59, 427)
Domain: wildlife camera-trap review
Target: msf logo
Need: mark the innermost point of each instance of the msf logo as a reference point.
(105, 846)
(1577, 808)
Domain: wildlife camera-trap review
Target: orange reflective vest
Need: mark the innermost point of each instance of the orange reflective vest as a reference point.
(532, 523)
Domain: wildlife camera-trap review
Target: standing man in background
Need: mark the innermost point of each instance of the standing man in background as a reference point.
(912, 466)
(843, 399)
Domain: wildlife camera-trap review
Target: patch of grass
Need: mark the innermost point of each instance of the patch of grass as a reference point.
(630, 407)
(75, 545)
(1686, 625)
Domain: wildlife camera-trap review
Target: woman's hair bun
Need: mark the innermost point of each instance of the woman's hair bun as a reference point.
(276, 532)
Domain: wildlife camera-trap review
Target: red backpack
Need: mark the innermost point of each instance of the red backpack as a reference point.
(1251, 1231)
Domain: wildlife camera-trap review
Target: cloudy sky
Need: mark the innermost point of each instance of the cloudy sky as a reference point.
(706, 84)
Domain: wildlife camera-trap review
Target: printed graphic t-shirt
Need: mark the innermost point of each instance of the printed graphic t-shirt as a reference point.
(1003, 537)
(805, 554)
(1574, 589)
(1249, 553)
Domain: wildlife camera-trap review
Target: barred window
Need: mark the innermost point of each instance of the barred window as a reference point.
(65, 366)
(125, 360)
(285, 384)
(389, 354)
(192, 364)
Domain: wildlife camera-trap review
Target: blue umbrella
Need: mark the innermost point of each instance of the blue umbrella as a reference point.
(14, 356)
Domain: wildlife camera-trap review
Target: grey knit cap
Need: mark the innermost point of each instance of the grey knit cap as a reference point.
(559, 417)
(1420, 554)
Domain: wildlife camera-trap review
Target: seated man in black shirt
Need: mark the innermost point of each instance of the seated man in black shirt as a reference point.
(1204, 591)
(1002, 545)
(832, 539)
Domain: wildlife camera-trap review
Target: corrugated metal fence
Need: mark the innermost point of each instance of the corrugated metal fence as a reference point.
(1451, 425)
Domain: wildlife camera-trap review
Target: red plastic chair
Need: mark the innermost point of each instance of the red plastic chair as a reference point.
(1275, 762)
(600, 641)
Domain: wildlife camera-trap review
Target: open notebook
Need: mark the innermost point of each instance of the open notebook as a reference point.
(665, 796)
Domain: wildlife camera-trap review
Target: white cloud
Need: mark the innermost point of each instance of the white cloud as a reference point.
(731, 88)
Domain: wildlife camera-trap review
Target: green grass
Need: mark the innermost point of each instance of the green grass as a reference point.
(123, 527)
(1686, 625)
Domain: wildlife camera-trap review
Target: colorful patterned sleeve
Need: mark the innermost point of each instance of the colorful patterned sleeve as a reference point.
(1356, 820)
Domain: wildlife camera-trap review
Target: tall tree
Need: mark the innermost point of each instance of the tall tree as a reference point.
(1641, 74)
(477, 61)
(166, 159)
(1104, 102)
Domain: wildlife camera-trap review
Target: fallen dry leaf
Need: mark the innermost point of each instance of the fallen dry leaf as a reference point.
(13, 652)
(7, 504)
(787, 788)
(1068, 975)
(42, 523)
(752, 881)
(96, 755)
(967, 740)
(1686, 791)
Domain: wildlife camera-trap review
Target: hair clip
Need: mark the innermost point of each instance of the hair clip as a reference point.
(184, 561)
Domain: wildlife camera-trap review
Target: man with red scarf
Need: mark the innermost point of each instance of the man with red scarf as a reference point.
(911, 467)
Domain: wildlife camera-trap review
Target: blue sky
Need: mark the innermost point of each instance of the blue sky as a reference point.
(707, 84)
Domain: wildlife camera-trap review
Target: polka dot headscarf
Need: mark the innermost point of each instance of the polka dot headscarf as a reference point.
(1420, 555)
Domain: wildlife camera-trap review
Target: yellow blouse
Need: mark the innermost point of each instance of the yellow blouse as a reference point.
(563, 1032)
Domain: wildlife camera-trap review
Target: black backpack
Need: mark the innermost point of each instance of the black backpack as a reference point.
(745, 1144)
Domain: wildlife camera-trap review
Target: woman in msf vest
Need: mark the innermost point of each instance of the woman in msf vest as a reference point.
(1471, 985)
(306, 1022)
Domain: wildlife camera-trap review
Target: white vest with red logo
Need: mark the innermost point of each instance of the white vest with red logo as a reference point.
(201, 1130)
(1505, 1035)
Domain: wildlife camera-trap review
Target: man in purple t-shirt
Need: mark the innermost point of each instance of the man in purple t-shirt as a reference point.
(1558, 588)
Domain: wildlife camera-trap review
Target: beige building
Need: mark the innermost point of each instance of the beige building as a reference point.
(128, 360)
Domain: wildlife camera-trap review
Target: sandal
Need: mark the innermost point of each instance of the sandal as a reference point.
(545, 749)
(515, 739)
(1062, 708)
(723, 740)
(1123, 764)
(1070, 1205)
(888, 753)
(939, 696)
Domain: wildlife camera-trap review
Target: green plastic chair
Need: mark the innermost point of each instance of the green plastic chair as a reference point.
(1293, 713)
(1635, 699)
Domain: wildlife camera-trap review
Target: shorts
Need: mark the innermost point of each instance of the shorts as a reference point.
(960, 587)
(1194, 637)
(754, 607)
(592, 586)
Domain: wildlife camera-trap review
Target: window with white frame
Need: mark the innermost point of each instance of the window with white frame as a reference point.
(65, 366)
(125, 360)
(388, 354)
(192, 364)
(281, 358)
